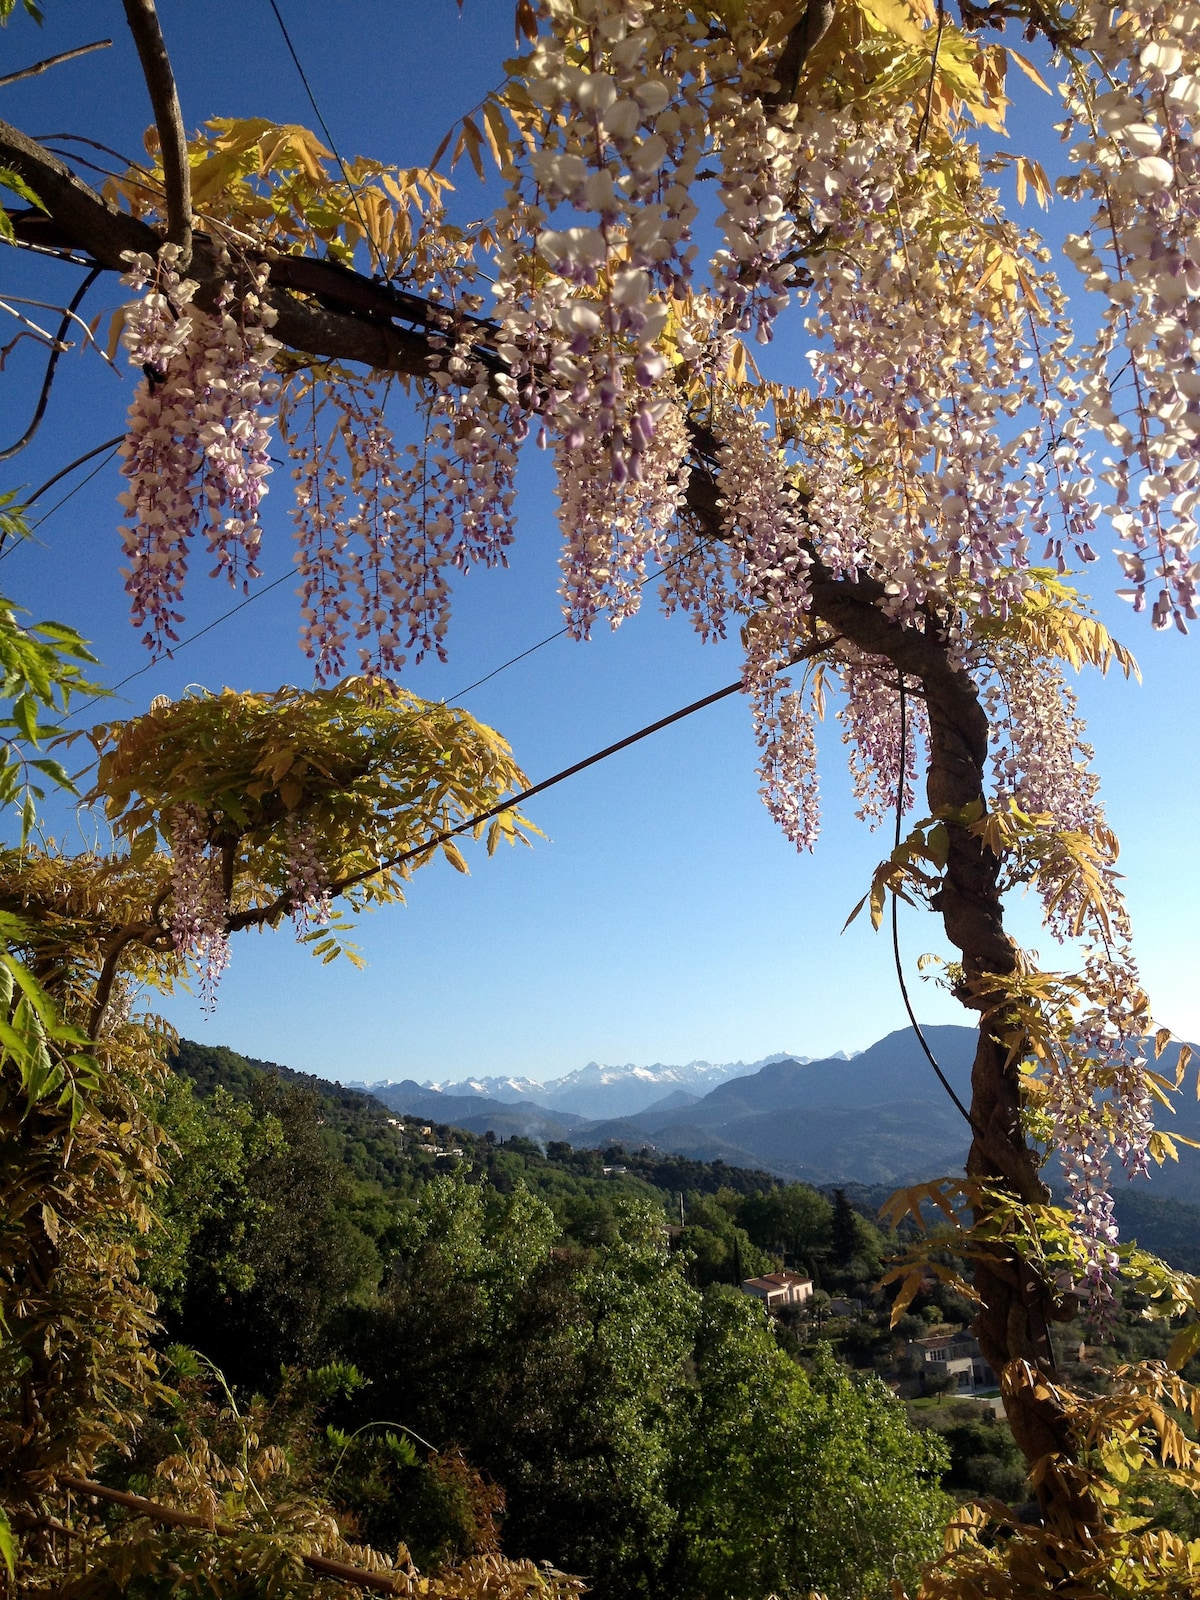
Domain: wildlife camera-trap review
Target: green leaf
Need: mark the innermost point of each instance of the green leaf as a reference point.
(56, 772)
(25, 716)
(14, 181)
(8, 1547)
(937, 845)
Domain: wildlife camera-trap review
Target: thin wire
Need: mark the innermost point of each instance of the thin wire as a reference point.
(109, 444)
(83, 482)
(817, 647)
(551, 637)
(912, 1016)
(183, 643)
(514, 800)
(312, 99)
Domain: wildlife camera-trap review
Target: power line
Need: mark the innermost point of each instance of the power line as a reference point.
(312, 100)
(82, 484)
(183, 643)
(817, 647)
(551, 637)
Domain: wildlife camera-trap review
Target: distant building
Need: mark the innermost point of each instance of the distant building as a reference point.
(957, 1354)
(778, 1290)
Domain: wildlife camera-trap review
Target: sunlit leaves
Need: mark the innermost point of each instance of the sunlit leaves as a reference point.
(1053, 621)
(51, 1057)
(280, 180)
(365, 782)
(39, 672)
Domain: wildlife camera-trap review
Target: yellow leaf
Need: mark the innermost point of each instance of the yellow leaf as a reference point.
(1028, 68)
(1162, 1147)
(471, 140)
(497, 133)
(454, 856)
(906, 1296)
(896, 18)
(783, 23)
(115, 329)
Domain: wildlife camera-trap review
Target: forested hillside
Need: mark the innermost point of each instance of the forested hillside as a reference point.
(505, 1344)
(488, 1343)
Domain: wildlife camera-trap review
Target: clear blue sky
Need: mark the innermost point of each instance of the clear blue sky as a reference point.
(664, 918)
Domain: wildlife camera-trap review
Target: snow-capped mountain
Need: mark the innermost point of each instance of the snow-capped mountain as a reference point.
(601, 1089)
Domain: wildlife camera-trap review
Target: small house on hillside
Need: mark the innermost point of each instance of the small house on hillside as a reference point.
(778, 1290)
(957, 1355)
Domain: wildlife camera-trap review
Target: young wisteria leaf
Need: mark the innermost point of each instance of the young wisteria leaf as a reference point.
(1028, 68)
(1161, 1147)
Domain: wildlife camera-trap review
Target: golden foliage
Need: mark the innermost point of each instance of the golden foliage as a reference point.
(379, 777)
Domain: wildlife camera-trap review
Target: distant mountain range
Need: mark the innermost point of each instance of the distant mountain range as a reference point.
(598, 1090)
(877, 1117)
(880, 1117)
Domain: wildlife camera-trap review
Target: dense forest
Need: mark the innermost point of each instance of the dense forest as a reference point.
(501, 1344)
(472, 1344)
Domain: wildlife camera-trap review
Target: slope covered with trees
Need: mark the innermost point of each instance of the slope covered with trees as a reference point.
(504, 1312)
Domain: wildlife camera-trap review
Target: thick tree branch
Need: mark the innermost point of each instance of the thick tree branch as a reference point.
(168, 119)
(346, 317)
(799, 45)
(147, 934)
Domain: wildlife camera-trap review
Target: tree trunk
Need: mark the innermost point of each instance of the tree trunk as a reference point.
(1018, 1306)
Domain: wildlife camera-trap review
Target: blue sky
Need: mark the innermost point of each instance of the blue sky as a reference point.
(664, 917)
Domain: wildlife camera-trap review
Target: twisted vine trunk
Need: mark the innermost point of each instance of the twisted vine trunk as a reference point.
(1017, 1304)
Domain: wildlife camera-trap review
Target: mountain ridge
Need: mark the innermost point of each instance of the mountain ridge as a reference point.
(597, 1090)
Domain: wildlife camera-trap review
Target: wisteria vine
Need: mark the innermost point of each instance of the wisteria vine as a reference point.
(945, 455)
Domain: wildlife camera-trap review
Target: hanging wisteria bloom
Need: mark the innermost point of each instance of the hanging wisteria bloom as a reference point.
(307, 879)
(195, 455)
(199, 912)
(1132, 138)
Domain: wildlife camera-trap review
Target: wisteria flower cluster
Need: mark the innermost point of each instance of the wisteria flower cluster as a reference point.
(195, 454)
(307, 880)
(199, 907)
(199, 916)
(381, 527)
(1095, 1092)
(1132, 133)
(883, 738)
